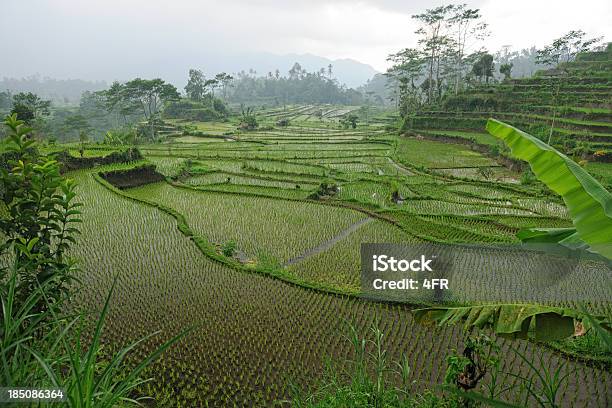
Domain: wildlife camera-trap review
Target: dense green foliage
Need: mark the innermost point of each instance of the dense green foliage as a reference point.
(39, 213)
(298, 87)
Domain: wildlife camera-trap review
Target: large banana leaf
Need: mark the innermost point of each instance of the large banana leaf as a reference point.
(514, 320)
(588, 202)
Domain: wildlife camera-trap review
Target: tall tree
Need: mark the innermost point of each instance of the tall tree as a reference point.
(35, 103)
(299, 87)
(407, 67)
(465, 27)
(195, 87)
(6, 100)
(77, 125)
(211, 84)
(483, 67)
(149, 94)
(296, 71)
(115, 100)
(566, 47)
(433, 40)
(224, 80)
(506, 70)
(23, 112)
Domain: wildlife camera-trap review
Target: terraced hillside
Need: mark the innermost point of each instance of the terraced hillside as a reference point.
(254, 238)
(307, 112)
(569, 107)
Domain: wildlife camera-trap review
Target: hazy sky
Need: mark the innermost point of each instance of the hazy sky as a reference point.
(105, 39)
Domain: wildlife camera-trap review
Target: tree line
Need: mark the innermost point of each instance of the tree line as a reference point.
(450, 57)
(298, 86)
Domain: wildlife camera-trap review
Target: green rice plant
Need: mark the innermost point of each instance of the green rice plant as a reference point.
(169, 167)
(167, 281)
(351, 167)
(230, 178)
(365, 383)
(370, 193)
(222, 217)
(438, 155)
(541, 385)
(283, 167)
(91, 379)
(339, 263)
(429, 206)
(39, 344)
(256, 191)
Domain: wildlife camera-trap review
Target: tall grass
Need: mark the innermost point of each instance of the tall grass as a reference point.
(48, 349)
(370, 379)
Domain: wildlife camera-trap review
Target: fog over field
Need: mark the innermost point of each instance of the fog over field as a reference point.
(119, 39)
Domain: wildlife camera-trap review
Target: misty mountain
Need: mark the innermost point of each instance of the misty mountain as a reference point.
(348, 71)
(67, 91)
(59, 91)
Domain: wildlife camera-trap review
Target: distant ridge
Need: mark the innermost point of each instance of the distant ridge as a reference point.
(347, 71)
(350, 72)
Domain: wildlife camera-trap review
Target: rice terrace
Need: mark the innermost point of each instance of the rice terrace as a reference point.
(204, 248)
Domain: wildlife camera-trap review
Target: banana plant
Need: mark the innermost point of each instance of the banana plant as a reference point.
(590, 208)
(588, 202)
(544, 323)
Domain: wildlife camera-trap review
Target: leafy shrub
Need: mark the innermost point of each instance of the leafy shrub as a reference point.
(326, 188)
(528, 177)
(40, 217)
(479, 356)
(349, 121)
(229, 248)
(248, 120)
(220, 107)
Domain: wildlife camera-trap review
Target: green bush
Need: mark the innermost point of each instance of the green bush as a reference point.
(229, 248)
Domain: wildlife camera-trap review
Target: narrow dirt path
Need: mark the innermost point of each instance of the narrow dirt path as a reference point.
(327, 244)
